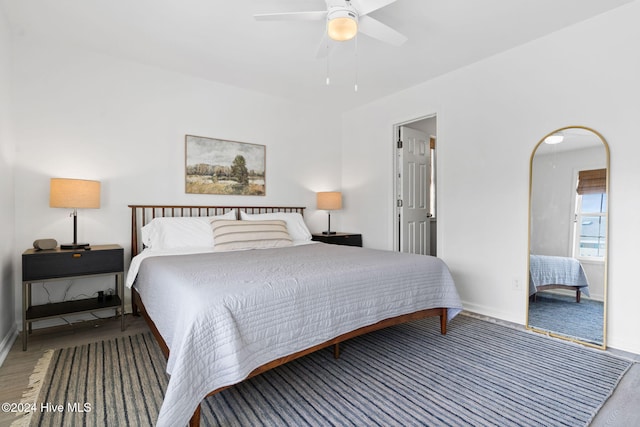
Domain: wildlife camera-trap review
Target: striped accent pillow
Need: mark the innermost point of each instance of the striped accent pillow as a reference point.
(230, 235)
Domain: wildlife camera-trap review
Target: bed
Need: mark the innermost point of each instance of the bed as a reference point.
(222, 316)
(555, 272)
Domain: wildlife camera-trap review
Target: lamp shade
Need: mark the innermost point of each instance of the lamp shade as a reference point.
(74, 193)
(329, 200)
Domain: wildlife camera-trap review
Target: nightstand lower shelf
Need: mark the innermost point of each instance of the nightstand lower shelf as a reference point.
(46, 311)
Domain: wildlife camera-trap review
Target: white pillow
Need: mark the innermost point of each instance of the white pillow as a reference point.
(231, 235)
(181, 232)
(295, 223)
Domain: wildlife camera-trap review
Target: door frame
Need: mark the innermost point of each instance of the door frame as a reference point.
(396, 218)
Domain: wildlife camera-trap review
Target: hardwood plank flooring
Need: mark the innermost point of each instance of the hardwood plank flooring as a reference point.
(18, 365)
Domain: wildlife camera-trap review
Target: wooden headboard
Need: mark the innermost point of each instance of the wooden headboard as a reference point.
(141, 215)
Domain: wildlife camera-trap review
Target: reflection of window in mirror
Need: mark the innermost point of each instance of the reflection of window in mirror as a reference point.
(590, 215)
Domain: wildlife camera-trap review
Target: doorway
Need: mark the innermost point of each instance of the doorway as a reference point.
(414, 186)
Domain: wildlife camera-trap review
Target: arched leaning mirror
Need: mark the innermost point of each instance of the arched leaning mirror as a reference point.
(568, 227)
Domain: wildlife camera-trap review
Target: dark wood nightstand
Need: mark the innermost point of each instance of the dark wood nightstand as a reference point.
(347, 239)
(56, 264)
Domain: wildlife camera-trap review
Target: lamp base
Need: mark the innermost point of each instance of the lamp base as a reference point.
(75, 246)
(327, 233)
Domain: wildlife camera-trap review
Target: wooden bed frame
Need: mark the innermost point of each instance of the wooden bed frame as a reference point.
(143, 214)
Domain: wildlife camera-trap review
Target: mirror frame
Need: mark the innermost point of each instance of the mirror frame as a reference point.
(606, 252)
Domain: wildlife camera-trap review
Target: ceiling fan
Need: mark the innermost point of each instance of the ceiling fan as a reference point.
(344, 19)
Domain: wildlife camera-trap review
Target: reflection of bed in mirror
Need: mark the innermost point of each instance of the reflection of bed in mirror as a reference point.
(555, 272)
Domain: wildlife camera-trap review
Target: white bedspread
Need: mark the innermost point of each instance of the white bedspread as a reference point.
(225, 314)
(556, 270)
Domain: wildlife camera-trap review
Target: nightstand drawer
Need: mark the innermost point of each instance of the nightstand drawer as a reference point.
(345, 239)
(69, 263)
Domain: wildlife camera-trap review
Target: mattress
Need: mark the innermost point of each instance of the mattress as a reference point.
(556, 270)
(224, 314)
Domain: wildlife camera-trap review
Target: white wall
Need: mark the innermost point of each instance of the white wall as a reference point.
(7, 325)
(85, 115)
(490, 117)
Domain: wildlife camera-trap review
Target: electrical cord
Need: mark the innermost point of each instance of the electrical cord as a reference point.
(64, 297)
(66, 292)
(44, 286)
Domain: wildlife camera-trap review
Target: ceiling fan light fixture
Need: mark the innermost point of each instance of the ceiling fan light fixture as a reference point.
(342, 25)
(554, 139)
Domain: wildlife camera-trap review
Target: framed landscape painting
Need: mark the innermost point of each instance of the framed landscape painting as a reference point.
(218, 166)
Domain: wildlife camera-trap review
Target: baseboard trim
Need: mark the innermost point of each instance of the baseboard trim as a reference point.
(7, 343)
(491, 312)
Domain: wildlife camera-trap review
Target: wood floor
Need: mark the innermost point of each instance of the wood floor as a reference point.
(18, 366)
(622, 409)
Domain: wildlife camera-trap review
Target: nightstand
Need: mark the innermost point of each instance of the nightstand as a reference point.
(57, 264)
(346, 239)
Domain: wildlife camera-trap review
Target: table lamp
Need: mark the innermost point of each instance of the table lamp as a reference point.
(74, 194)
(329, 201)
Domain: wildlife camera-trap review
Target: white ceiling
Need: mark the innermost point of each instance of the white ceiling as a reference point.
(574, 139)
(220, 41)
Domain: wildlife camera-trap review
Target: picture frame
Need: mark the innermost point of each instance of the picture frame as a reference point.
(223, 167)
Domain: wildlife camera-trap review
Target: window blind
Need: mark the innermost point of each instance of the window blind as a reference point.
(592, 181)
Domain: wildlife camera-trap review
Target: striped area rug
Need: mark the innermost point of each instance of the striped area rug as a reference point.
(562, 315)
(479, 374)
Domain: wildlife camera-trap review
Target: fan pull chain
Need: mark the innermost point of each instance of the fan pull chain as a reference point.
(328, 80)
(326, 30)
(355, 87)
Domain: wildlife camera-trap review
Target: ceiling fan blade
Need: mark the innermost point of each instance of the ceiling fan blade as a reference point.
(292, 16)
(367, 6)
(376, 29)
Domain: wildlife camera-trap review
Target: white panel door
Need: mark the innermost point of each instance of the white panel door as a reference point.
(414, 184)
